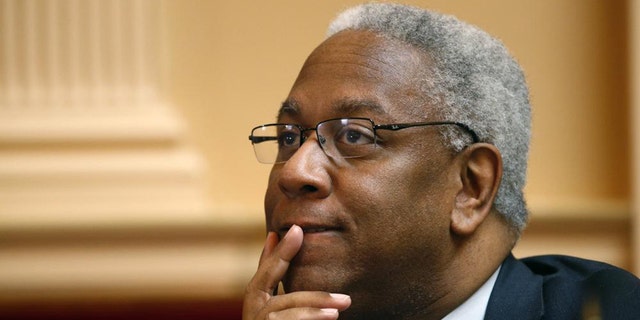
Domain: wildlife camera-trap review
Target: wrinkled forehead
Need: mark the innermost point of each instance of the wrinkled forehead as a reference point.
(355, 69)
(384, 54)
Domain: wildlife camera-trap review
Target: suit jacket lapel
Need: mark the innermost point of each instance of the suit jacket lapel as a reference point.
(517, 293)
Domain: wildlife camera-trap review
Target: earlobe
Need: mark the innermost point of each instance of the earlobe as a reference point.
(480, 175)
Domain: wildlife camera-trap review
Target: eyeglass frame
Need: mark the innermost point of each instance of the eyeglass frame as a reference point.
(392, 126)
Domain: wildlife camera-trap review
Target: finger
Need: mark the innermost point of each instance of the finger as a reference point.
(311, 299)
(305, 305)
(302, 302)
(294, 233)
(290, 244)
(305, 313)
(276, 261)
(270, 244)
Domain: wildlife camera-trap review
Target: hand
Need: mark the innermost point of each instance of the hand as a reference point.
(260, 301)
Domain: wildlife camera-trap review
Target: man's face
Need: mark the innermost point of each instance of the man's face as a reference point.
(375, 226)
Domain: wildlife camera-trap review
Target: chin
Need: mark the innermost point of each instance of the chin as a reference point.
(315, 268)
(333, 280)
(313, 278)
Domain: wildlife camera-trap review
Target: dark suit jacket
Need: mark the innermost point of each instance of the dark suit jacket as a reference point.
(561, 287)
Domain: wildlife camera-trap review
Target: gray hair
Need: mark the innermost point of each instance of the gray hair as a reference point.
(473, 79)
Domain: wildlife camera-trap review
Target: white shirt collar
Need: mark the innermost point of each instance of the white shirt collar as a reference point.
(476, 306)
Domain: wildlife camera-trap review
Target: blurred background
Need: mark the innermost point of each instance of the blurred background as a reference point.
(129, 190)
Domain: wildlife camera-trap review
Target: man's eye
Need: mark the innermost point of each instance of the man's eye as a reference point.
(355, 136)
(287, 139)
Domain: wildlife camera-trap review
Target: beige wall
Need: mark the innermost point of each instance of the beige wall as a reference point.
(233, 63)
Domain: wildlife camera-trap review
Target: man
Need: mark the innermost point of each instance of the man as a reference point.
(396, 190)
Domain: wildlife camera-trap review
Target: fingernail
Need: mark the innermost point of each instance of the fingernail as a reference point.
(290, 229)
(329, 311)
(339, 296)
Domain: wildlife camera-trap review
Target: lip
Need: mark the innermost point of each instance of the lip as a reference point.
(310, 229)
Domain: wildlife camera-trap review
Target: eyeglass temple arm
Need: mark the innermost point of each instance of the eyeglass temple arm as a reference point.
(255, 139)
(399, 126)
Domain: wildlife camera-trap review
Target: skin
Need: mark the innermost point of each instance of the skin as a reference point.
(407, 232)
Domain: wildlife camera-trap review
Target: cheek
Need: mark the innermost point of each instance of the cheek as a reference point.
(415, 176)
(271, 195)
(397, 195)
(401, 221)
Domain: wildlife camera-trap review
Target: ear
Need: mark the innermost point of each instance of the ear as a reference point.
(480, 175)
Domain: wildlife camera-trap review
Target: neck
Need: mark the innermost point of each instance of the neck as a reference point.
(476, 258)
(421, 295)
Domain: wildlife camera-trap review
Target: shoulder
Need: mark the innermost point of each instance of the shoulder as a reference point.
(581, 274)
(596, 287)
(562, 287)
(552, 267)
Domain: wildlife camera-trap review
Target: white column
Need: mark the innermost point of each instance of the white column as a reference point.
(87, 142)
(95, 53)
(82, 70)
(54, 78)
(9, 63)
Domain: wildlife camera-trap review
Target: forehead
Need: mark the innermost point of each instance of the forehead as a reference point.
(359, 73)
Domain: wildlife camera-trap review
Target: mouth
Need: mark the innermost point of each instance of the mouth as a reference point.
(310, 229)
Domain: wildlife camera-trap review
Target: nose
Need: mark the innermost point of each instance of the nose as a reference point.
(305, 174)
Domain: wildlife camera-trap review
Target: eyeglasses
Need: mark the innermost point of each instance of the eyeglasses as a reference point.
(338, 138)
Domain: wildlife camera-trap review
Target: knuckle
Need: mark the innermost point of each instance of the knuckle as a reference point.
(250, 289)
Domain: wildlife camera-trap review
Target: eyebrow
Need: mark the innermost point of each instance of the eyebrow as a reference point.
(288, 108)
(343, 107)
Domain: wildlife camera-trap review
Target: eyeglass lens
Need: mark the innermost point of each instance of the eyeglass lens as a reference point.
(339, 138)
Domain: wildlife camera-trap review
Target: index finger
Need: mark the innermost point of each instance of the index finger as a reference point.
(276, 258)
